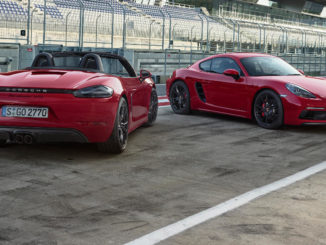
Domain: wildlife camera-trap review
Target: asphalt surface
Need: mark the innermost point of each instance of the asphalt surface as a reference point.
(71, 194)
(161, 89)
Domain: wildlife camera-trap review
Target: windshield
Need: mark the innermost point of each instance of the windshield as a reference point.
(268, 66)
(110, 65)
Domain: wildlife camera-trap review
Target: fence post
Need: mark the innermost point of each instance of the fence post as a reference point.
(170, 30)
(179, 58)
(81, 24)
(233, 44)
(44, 21)
(150, 34)
(202, 32)
(124, 32)
(286, 39)
(165, 62)
(112, 24)
(207, 34)
(259, 26)
(238, 36)
(28, 20)
(265, 40)
(96, 29)
(31, 39)
(192, 28)
(173, 33)
(163, 28)
(66, 36)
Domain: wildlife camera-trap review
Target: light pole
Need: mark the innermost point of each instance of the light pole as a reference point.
(124, 31)
(44, 21)
(32, 14)
(81, 24)
(66, 42)
(202, 32)
(209, 38)
(96, 29)
(192, 28)
(163, 28)
(28, 20)
(170, 25)
(173, 33)
(150, 34)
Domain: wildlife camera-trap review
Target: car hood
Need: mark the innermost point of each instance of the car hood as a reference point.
(315, 85)
(51, 79)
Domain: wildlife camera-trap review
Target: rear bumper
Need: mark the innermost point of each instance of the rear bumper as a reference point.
(29, 135)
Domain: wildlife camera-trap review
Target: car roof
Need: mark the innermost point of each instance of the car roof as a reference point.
(242, 55)
(234, 55)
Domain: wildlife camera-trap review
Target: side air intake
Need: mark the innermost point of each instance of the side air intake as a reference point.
(200, 92)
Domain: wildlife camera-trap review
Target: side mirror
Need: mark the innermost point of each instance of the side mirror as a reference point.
(301, 71)
(232, 73)
(144, 74)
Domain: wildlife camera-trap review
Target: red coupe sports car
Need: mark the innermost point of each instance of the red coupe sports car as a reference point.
(249, 85)
(76, 97)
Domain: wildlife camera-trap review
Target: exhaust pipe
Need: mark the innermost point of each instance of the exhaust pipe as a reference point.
(19, 138)
(4, 138)
(28, 139)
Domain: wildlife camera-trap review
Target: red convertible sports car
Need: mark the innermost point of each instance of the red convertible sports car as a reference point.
(76, 97)
(249, 85)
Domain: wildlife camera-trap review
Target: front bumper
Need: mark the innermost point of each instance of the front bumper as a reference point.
(299, 111)
(29, 135)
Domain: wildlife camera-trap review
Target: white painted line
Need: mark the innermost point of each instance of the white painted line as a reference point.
(163, 100)
(201, 217)
(164, 106)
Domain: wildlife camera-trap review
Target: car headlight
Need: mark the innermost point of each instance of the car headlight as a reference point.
(97, 91)
(297, 90)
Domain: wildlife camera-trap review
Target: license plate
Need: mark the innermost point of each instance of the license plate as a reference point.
(22, 111)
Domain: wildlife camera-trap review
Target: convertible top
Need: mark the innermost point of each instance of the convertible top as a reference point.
(90, 61)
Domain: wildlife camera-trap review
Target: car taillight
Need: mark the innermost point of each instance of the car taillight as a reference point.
(97, 91)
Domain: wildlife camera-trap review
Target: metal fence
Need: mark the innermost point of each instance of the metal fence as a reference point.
(112, 24)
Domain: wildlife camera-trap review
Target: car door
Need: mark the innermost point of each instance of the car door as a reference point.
(138, 97)
(224, 92)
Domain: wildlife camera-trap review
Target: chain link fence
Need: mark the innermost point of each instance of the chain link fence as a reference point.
(113, 24)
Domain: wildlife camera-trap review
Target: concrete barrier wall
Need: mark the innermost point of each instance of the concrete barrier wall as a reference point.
(160, 63)
(10, 51)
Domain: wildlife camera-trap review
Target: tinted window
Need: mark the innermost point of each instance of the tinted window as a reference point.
(110, 65)
(69, 61)
(268, 66)
(42, 61)
(219, 65)
(206, 65)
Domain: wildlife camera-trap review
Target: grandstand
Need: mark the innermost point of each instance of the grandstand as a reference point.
(159, 25)
(132, 24)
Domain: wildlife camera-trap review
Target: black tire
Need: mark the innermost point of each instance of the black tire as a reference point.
(268, 110)
(180, 98)
(117, 142)
(3, 143)
(153, 108)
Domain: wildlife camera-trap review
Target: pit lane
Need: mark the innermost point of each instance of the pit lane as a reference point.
(71, 194)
